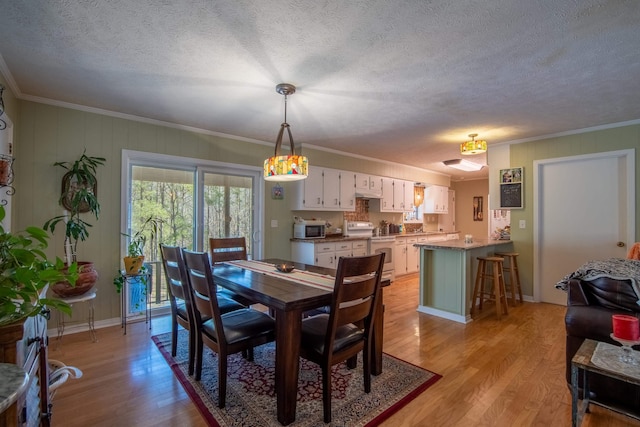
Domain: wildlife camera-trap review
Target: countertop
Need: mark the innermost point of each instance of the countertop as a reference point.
(460, 245)
(340, 237)
(14, 382)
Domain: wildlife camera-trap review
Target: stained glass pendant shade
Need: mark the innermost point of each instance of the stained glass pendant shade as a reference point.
(290, 167)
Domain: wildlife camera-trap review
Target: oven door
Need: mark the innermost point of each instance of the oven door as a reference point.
(386, 247)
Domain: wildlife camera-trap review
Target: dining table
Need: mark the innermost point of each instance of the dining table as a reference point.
(288, 296)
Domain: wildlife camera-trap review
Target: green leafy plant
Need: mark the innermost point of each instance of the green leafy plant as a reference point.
(25, 272)
(138, 240)
(78, 196)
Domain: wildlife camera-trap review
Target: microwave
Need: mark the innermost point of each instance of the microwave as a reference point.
(309, 229)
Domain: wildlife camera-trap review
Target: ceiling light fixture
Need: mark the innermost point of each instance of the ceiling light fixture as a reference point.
(463, 165)
(473, 146)
(291, 167)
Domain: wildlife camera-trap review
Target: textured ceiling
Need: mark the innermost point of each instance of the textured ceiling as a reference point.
(404, 81)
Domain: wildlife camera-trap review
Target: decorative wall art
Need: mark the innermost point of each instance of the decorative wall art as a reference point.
(511, 181)
(277, 192)
(477, 208)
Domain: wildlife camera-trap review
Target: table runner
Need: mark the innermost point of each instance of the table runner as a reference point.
(308, 278)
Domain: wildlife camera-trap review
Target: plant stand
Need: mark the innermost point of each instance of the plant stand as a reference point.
(135, 299)
(88, 298)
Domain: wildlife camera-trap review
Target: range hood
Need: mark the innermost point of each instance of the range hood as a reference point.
(368, 195)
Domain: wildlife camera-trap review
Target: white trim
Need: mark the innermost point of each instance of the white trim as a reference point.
(444, 314)
(627, 154)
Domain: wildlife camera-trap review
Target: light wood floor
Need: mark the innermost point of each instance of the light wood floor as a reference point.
(495, 373)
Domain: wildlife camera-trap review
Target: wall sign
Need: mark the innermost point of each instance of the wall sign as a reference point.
(511, 188)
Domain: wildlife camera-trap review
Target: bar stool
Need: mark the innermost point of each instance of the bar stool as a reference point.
(514, 274)
(497, 276)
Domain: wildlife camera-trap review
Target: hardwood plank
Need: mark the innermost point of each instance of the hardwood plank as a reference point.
(495, 373)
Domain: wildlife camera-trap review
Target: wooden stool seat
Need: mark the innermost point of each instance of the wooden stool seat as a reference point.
(498, 291)
(514, 274)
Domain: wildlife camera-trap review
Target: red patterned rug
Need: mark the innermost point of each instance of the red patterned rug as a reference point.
(251, 394)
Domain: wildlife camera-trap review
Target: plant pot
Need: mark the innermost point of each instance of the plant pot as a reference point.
(133, 264)
(87, 276)
(5, 171)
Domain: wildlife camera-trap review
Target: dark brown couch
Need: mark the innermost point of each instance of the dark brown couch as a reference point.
(590, 306)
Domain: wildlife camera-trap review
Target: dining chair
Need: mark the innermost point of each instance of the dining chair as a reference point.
(328, 339)
(181, 302)
(226, 333)
(229, 249)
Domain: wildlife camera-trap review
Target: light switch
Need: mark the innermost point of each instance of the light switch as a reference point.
(523, 223)
(274, 223)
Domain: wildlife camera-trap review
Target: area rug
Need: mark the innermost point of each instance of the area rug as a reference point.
(251, 394)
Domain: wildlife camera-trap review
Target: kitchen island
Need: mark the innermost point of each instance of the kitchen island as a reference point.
(447, 274)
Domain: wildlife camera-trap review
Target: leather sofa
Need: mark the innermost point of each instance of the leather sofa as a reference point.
(590, 305)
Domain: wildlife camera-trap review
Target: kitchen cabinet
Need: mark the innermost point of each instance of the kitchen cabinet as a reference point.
(394, 195)
(326, 254)
(325, 189)
(436, 199)
(407, 256)
(368, 185)
(400, 256)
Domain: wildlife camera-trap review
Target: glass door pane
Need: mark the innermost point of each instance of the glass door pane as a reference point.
(228, 209)
(167, 194)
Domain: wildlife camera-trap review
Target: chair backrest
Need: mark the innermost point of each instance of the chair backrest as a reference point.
(203, 290)
(228, 249)
(176, 274)
(357, 287)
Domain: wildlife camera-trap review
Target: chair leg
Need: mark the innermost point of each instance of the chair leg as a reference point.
(174, 336)
(352, 362)
(250, 354)
(366, 368)
(222, 380)
(326, 393)
(192, 349)
(199, 351)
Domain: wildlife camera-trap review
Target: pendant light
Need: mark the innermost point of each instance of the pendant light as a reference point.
(473, 146)
(291, 167)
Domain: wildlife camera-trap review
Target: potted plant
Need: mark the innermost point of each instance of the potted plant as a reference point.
(78, 195)
(134, 260)
(25, 272)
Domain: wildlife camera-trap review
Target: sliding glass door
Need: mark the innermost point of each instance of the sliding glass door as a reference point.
(195, 201)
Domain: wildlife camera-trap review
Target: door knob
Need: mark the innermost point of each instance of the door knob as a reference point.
(620, 244)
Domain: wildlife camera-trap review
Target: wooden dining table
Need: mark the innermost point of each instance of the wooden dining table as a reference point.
(289, 299)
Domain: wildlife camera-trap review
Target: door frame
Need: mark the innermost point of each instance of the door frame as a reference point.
(628, 155)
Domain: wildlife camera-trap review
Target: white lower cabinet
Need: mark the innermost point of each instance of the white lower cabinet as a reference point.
(326, 254)
(407, 258)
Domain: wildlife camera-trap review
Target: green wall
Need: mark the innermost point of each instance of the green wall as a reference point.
(525, 154)
(46, 134)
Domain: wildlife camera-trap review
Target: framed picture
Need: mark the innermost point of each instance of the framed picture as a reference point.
(511, 181)
(277, 192)
(477, 208)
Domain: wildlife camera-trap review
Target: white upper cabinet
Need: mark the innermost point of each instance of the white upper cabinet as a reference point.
(368, 185)
(436, 199)
(395, 195)
(325, 189)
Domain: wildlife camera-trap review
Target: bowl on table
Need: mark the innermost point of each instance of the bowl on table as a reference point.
(285, 268)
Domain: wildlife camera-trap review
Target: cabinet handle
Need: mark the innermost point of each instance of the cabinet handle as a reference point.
(33, 340)
(318, 200)
(46, 313)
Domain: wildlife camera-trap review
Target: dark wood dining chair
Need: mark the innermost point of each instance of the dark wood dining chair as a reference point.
(229, 249)
(328, 339)
(180, 300)
(226, 333)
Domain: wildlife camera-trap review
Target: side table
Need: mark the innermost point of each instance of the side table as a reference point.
(89, 298)
(582, 361)
(142, 281)
(14, 383)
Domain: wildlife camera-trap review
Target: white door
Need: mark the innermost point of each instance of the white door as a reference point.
(585, 211)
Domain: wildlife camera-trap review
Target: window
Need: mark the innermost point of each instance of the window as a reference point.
(195, 200)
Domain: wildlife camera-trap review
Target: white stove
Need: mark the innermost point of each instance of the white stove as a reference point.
(358, 229)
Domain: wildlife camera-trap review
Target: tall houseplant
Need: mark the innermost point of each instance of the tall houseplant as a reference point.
(78, 196)
(25, 272)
